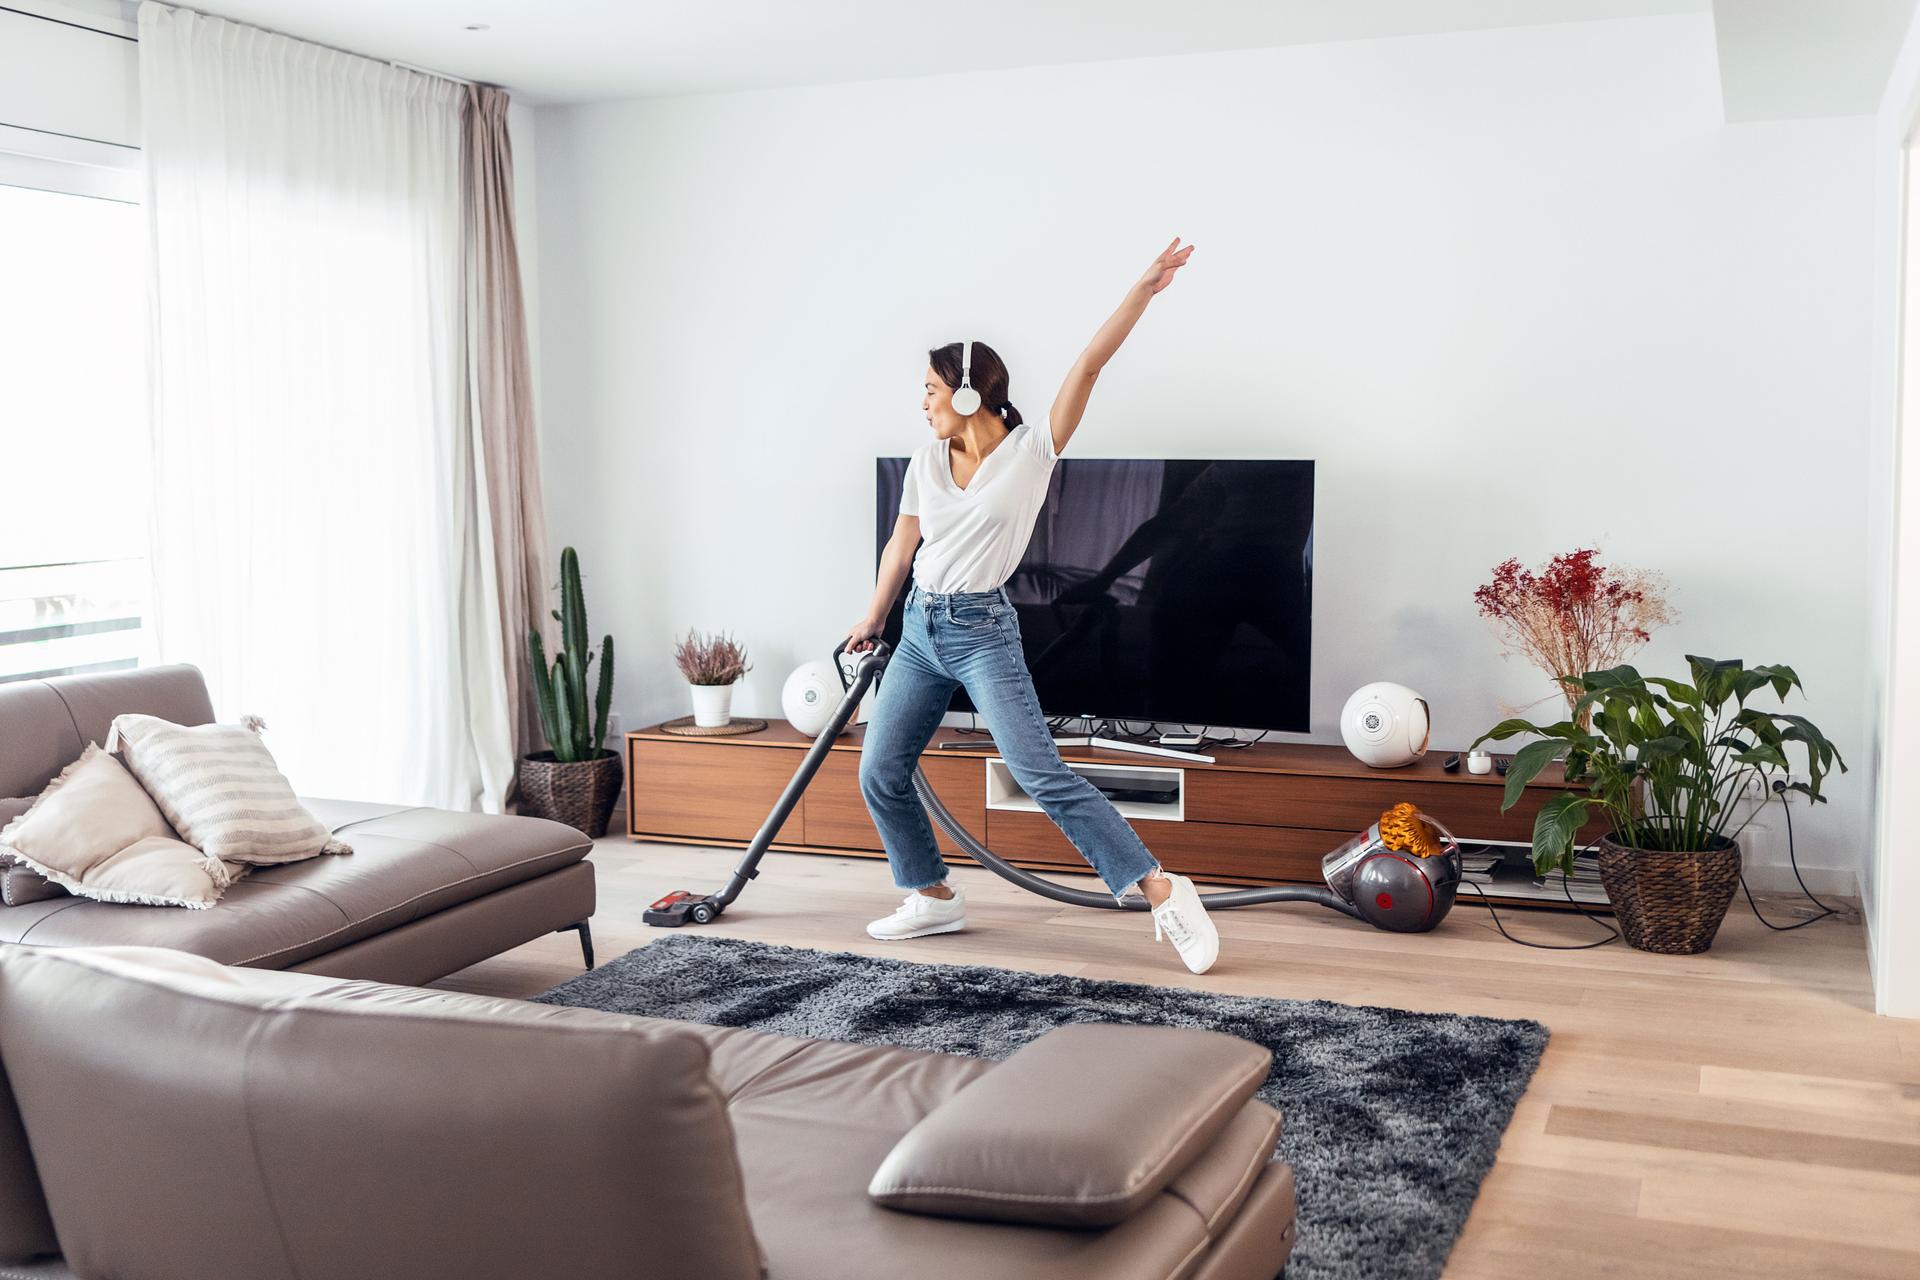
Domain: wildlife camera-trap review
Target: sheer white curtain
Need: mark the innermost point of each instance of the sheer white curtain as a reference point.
(317, 539)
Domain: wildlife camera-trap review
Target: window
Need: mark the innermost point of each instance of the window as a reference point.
(73, 423)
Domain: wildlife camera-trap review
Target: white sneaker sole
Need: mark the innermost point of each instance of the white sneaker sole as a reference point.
(1200, 968)
(951, 926)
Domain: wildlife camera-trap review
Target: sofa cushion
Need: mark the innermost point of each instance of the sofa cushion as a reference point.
(25, 1228)
(276, 1125)
(270, 926)
(94, 808)
(98, 834)
(44, 724)
(428, 859)
(806, 1176)
(37, 737)
(220, 788)
(19, 884)
(1053, 1136)
(176, 692)
(815, 1118)
(499, 849)
(285, 915)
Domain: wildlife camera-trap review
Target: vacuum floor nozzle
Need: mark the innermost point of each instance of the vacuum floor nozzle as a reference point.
(678, 908)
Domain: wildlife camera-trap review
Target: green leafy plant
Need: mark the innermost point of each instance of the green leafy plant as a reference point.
(562, 692)
(1664, 760)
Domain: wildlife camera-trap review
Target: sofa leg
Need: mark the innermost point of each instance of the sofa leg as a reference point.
(585, 930)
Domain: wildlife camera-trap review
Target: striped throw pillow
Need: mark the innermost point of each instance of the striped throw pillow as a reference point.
(219, 787)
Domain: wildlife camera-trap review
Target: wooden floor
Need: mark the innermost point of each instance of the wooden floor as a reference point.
(1738, 1114)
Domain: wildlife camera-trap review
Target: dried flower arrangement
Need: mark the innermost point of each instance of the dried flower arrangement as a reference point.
(715, 659)
(1574, 615)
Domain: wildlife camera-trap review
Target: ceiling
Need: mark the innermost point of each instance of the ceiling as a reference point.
(1778, 59)
(1788, 59)
(582, 50)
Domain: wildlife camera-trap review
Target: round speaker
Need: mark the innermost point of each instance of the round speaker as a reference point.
(1385, 725)
(810, 695)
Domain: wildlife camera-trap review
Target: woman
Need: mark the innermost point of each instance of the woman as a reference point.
(966, 512)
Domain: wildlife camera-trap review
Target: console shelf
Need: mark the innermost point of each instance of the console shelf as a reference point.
(1262, 814)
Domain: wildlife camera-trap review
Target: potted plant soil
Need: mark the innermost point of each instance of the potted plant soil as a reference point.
(1665, 762)
(712, 665)
(577, 780)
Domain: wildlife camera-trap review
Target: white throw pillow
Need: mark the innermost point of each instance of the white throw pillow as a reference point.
(96, 833)
(19, 883)
(219, 787)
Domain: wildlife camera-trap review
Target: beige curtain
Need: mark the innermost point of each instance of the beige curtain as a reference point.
(506, 441)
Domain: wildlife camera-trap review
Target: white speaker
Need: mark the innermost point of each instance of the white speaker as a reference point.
(810, 695)
(1385, 725)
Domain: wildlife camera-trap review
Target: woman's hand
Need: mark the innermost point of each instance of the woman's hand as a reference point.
(1160, 274)
(861, 635)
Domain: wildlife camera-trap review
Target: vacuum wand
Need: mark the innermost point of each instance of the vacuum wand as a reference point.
(681, 906)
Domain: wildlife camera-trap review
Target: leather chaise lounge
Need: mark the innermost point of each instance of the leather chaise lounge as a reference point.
(166, 1118)
(426, 892)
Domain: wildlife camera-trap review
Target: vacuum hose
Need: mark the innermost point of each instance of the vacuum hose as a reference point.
(943, 817)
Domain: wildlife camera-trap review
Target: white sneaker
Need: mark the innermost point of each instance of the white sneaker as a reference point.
(1183, 919)
(921, 916)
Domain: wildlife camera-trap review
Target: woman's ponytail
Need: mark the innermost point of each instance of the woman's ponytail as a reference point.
(1010, 415)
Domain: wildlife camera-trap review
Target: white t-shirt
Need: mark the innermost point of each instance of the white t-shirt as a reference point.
(972, 538)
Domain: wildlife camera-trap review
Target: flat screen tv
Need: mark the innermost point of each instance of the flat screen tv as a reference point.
(1178, 591)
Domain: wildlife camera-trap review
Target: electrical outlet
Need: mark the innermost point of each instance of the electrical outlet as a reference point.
(1760, 786)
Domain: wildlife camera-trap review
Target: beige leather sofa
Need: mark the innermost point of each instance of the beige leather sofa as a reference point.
(425, 892)
(165, 1118)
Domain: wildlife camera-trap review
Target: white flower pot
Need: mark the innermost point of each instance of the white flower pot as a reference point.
(712, 704)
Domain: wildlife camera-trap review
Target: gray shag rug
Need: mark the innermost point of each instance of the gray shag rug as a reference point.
(1392, 1118)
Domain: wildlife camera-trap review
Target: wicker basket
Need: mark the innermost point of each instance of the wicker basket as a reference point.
(579, 793)
(1671, 903)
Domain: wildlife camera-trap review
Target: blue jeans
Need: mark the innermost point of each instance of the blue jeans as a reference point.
(972, 640)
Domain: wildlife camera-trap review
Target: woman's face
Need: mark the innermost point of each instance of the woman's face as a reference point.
(938, 406)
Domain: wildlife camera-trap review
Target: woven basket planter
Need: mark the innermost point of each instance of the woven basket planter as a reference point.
(1671, 903)
(579, 793)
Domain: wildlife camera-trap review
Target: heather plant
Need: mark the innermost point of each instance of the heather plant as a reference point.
(714, 659)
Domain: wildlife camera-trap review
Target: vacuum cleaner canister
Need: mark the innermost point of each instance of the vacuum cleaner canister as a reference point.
(1401, 873)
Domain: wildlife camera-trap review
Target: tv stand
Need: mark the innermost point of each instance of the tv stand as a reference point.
(1262, 814)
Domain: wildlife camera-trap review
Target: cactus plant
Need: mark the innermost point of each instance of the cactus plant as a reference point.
(562, 690)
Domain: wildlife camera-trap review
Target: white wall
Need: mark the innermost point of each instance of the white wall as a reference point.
(1513, 290)
(1891, 878)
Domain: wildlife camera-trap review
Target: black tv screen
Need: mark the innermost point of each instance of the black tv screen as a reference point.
(1178, 591)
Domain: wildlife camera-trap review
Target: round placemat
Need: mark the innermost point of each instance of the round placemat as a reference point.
(685, 727)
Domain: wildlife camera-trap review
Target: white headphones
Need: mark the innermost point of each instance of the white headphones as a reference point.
(966, 401)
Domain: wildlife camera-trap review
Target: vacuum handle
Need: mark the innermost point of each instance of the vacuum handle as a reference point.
(876, 658)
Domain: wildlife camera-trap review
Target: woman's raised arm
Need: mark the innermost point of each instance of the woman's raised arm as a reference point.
(1071, 404)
